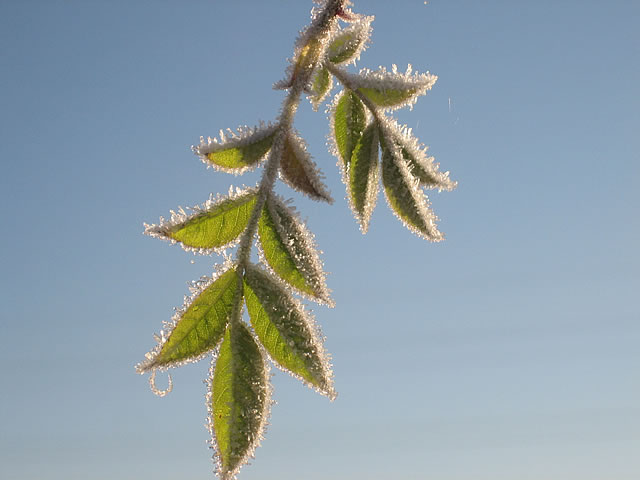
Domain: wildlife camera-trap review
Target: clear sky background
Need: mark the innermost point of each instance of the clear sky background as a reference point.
(509, 351)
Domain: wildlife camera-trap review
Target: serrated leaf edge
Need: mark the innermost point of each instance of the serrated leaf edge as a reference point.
(314, 174)
(317, 277)
(316, 334)
(402, 135)
(332, 142)
(265, 414)
(161, 229)
(373, 183)
(317, 98)
(382, 79)
(196, 288)
(362, 30)
(419, 198)
(242, 137)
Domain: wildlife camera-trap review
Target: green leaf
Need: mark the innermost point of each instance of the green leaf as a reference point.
(347, 44)
(287, 247)
(285, 330)
(363, 176)
(421, 166)
(391, 90)
(388, 97)
(212, 226)
(300, 172)
(321, 84)
(237, 152)
(199, 326)
(405, 197)
(344, 47)
(238, 399)
(349, 121)
(426, 170)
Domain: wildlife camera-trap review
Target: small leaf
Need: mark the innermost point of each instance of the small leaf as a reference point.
(237, 152)
(321, 84)
(209, 227)
(363, 176)
(347, 45)
(349, 121)
(405, 197)
(286, 331)
(238, 399)
(391, 90)
(300, 172)
(198, 327)
(287, 247)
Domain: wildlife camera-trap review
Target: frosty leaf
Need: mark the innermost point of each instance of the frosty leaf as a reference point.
(426, 170)
(363, 176)
(420, 165)
(405, 197)
(299, 171)
(286, 331)
(236, 152)
(288, 249)
(348, 44)
(349, 121)
(209, 227)
(198, 326)
(321, 84)
(392, 90)
(238, 399)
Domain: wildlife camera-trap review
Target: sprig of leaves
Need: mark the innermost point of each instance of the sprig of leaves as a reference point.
(370, 147)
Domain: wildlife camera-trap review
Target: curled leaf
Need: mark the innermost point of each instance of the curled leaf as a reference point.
(236, 152)
(391, 90)
(405, 197)
(345, 46)
(363, 176)
(287, 247)
(198, 326)
(321, 84)
(238, 400)
(210, 227)
(348, 123)
(286, 331)
(300, 172)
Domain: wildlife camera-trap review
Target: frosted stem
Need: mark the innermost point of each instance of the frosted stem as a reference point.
(314, 36)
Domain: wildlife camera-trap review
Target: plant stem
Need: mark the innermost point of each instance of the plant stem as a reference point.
(307, 57)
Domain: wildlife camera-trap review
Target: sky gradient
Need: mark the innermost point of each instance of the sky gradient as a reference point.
(508, 351)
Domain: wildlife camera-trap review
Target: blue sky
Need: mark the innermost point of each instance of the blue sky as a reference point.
(507, 351)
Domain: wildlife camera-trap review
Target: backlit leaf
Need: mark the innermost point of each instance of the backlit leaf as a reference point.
(198, 327)
(391, 90)
(347, 45)
(239, 151)
(209, 227)
(405, 197)
(287, 247)
(300, 172)
(286, 331)
(321, 84)
(238, 399)
(421, 166)
(349, 121)
(363, 176)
